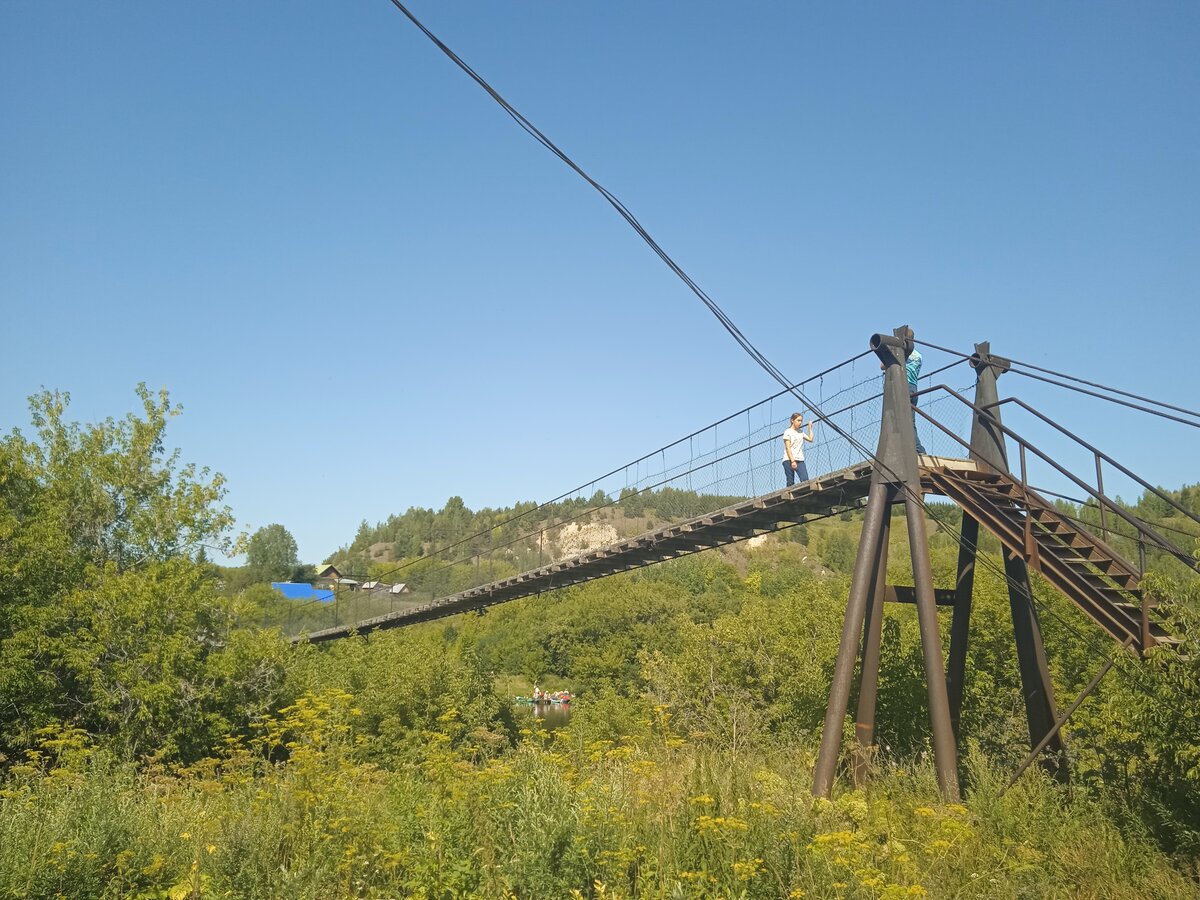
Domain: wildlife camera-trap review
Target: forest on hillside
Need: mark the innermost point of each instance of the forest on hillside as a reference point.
(157, 740)
(423, 531)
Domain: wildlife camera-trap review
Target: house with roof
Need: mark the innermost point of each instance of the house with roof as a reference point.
(328, 572)
(382, 587)
(328, 576)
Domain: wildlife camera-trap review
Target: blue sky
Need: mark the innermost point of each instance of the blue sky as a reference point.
(369, 289)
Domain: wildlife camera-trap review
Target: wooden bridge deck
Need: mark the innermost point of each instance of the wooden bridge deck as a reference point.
(838, 491)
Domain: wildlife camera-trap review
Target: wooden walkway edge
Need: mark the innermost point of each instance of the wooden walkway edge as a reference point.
(842, 490)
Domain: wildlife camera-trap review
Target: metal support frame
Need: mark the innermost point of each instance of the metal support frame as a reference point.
(868, 685)
(1053, 733)
(960, 623)
(896, 476)
(1037, 688)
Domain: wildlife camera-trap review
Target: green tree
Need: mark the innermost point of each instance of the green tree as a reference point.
(839, 552)
(107, 620)
(272, 554)
(77, 495)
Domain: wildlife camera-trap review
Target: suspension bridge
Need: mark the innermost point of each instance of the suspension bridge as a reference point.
(973, 459)
(718, 485)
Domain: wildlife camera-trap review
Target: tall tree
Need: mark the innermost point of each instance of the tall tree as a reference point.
(272, 553)
(107, 621)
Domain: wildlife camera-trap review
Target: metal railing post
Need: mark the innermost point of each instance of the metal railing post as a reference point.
(1031, 549)
(1100, 491)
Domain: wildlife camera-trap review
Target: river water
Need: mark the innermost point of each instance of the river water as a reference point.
(551, 715)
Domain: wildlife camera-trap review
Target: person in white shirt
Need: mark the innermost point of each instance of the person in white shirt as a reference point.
(793, 450)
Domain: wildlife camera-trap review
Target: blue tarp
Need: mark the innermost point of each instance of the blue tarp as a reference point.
(302, 591)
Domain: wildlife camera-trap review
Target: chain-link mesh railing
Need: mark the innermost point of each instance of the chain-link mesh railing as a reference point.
(737, 457)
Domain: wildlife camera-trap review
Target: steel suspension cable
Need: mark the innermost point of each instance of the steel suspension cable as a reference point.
(638, 461)
(1084, 381)
(620, 207)
(1113, 390)
(1119, 402)
(612, 502)
(754, 353)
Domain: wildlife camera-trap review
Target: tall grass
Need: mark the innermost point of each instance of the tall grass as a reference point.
(300, 811)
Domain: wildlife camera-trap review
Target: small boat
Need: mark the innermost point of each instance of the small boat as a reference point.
(561, 698)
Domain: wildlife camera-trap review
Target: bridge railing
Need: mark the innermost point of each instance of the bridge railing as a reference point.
(737, 457)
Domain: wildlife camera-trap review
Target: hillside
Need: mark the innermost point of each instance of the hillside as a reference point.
(421, 531)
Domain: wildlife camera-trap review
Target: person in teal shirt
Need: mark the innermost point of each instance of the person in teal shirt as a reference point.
(912, 367)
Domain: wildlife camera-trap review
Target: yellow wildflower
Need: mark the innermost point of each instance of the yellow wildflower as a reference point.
(748, 869)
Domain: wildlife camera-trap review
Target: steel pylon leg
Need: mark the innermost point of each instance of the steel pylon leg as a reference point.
(960, 624)
(988, 450)
(843, 671)
(945, 752)
(1037, 687)
(868, 685)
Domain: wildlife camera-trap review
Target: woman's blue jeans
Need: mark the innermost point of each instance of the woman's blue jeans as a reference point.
(792, 475)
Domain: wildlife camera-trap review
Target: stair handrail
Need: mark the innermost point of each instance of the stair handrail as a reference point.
(1098, 453)
(1138, 524)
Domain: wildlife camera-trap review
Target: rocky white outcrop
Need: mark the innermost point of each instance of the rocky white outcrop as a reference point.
(575, 538)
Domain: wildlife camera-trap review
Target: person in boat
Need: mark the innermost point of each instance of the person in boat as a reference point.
(793, 450)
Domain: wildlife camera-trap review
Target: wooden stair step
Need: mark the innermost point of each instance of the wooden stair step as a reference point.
(1057, 526)
(1099, 560)
(1162, 636)
(1131, 606)
(972, 474)
(1101, 582)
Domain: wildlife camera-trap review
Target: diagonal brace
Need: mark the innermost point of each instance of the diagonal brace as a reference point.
(1062, 720)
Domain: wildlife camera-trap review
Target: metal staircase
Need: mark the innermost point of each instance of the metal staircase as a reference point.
(1087, 570)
